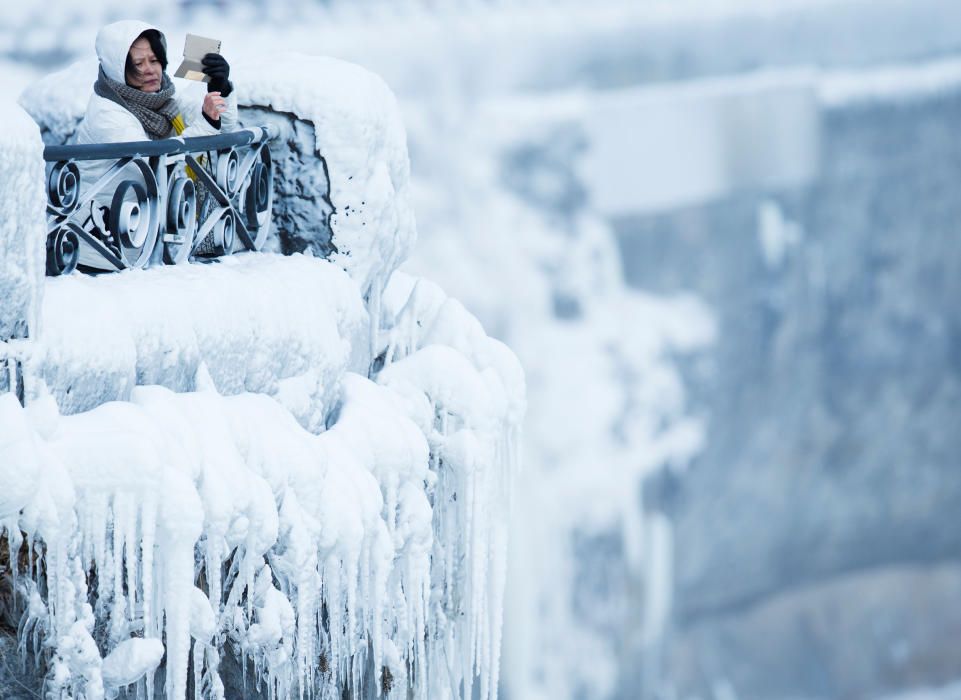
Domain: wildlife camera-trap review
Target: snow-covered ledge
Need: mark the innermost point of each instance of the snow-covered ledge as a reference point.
(302, 462)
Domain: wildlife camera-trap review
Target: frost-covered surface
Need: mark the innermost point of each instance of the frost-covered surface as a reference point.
(266, 458)
(466, 392)
(297, 523)
(218, 524)
(22, 225)
(494, 207)
(590, 583)
(104, 335)
(357, 129)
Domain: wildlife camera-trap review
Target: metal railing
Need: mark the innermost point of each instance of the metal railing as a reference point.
(168, 201)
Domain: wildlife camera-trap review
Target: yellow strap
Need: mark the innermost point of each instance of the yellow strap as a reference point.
(178, 124)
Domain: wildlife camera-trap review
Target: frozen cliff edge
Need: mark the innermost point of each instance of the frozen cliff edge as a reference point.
(300, 463)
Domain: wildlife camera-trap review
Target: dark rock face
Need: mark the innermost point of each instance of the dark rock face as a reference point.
(302, 206)
(18, 680)
(832, 400)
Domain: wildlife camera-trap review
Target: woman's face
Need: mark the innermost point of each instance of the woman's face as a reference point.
(147, 71)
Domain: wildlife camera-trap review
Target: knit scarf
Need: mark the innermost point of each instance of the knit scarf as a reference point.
(155, 110)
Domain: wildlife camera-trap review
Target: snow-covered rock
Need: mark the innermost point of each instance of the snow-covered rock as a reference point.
(358, 131)
(284, 326)
(168, 487)
(269, 457)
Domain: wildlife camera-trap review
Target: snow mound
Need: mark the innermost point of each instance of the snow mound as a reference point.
(284, 326)
(58, 101)
(130, 661)
(218, 522)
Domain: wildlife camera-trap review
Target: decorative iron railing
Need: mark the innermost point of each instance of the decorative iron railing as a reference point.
(149, 202)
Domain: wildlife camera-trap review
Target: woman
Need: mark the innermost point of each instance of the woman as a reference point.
(135, 100)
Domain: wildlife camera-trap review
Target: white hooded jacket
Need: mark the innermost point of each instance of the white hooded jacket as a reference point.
(108, 122)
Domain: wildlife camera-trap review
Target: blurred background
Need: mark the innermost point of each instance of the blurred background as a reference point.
(723, 237)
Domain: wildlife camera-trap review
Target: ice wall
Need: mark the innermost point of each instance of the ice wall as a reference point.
(589, 592)
(278, 462)
(832, 405)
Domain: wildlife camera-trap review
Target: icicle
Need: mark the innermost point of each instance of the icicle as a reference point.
(197, 660)
(178, 581)
(215, 685)
(148, 528)
(131, 554)
(374, 305)
(14, 542)
(118, 604)
(350, 602)
(213, 557)
(333, 585)
(411, 585)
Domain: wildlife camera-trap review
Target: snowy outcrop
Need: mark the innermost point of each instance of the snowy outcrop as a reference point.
(378, 543)
(466, 392)
(357, 129)
(300, 464)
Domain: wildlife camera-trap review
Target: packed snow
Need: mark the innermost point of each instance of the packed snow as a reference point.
(293, 339)
(380, 540)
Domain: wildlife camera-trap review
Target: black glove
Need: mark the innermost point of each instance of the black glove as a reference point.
(217, 68)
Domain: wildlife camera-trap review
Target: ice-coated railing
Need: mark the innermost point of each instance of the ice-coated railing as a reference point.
(168, 200)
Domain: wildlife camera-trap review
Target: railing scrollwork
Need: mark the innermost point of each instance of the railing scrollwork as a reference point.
(127, 205)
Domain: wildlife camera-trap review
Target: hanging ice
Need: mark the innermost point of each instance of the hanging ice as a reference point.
(296, 466)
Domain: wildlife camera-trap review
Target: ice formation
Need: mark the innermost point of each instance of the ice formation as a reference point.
(591, 583)
(299, 463)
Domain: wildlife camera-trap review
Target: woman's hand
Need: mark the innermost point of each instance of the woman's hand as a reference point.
(218, 70)
(214, 105)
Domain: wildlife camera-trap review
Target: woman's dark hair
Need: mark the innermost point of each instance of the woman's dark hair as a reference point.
(157, 45)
